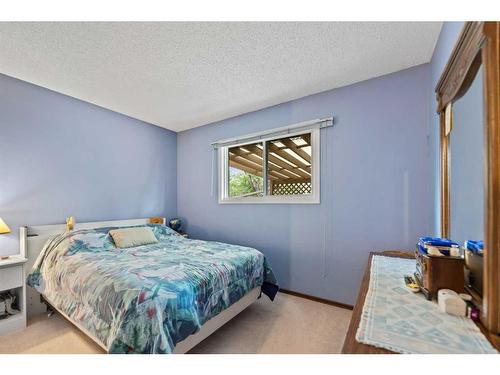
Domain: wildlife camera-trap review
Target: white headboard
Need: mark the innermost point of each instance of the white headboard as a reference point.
(32, 240)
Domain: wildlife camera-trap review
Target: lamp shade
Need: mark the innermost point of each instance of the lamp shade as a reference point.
(3, 227)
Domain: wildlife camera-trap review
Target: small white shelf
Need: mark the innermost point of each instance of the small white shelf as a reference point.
(12, 260)
(12, 323)
(12, 277)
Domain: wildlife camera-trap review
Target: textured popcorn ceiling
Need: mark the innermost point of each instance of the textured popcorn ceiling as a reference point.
(183, 75)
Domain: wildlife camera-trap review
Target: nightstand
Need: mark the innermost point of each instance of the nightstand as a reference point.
(12, 279)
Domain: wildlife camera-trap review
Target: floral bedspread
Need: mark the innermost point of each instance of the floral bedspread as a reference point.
(148, 298)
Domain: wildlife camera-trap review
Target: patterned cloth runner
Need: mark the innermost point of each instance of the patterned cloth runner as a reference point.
(397, 319)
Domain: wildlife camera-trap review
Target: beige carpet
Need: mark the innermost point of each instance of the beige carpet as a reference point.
(289, 325)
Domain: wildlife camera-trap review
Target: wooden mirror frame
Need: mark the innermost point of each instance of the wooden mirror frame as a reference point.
(478, 44)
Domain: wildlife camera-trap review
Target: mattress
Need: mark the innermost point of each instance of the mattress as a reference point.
(145, 299)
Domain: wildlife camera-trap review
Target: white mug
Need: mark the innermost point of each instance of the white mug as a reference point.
(455, 252)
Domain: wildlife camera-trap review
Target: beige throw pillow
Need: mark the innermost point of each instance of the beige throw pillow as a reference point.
(130, 237)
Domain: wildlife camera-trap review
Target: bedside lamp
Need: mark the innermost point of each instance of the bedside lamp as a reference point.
(4, 229)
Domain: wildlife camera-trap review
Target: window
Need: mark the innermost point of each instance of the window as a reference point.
(246, 175)
(289, 165)
(280, 166)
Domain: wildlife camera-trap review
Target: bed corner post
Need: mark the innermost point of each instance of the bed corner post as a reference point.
(23, 234)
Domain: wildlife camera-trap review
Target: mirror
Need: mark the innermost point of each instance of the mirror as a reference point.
(467, 160)
(468, 93)
(466, 173)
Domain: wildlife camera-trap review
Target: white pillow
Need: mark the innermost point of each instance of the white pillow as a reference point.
(130, 237)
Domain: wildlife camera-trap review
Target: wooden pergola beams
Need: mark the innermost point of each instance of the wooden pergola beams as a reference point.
(289, 164)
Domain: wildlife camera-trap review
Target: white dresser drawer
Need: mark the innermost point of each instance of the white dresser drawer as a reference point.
(11, 277)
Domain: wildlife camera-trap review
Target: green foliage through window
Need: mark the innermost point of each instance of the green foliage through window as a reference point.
(244, 184)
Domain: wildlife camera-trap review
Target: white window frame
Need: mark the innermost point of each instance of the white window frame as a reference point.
(313, 198)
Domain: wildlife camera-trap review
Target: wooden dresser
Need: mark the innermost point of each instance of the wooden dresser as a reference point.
(351, 346)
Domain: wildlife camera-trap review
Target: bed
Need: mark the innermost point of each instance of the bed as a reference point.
(159, 298)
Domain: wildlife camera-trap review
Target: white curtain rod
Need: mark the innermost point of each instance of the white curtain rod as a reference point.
(294, 128)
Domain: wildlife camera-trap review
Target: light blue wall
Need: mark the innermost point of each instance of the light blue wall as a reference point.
(375, 186)
(61, 156)
(447, 38)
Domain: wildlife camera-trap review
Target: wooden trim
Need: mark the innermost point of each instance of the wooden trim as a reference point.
(317, 299)
(444, 175)
(458, 75)
(491, 273)
(478, 45)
